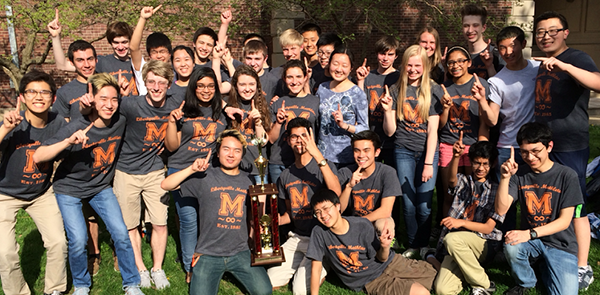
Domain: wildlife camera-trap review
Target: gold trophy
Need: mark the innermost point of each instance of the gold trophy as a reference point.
(266, 227)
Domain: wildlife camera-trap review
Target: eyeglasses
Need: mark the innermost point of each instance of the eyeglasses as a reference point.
(551, 32)
(525, 154)
(323, 53)
(295, 137)
(202, 86)
(32, 93)
(160, 83)
(479, 164)
(451, 63)
(318, 213)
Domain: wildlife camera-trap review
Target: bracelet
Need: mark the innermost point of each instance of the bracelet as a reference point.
(348, 127)
(428, 164)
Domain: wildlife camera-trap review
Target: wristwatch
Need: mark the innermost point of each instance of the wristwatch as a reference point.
(323, 163)
(532, 234)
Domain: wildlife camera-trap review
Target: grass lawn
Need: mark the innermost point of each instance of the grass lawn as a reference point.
(107, 281)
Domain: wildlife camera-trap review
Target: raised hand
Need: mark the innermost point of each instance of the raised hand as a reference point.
(54, 27)
(443, 61)
(356, 177)
(80, 137)
(149, 11)
(339, 117)
(551, 64)
(218, 50)
(231, 112)
(386, 100)
(458, 148)
(123, 84)
(363, 71)
(509, 167)
(226, 58)
(201, 164)
(308, 70)
(446, 99)
(87, 100)
(13, 118)
(254, 114)
(486, 56)
(309, 143)
(176, 114)
(226, 16)
(478, 91)
(282, 114)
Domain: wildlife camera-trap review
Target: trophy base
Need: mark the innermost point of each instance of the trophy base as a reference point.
(267, 258)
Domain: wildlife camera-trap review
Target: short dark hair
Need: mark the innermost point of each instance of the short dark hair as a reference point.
(205, 31)
(255, 46)
(548, 15)
(510, 32)
(343, 49)
(37, 76)
(294, 63)
(254, 36)
(297, 123)
(310, 27)
(80, 45)
(324, 195)
(535, 132)
(367, 135)
(189, 51)
(474, 9)
(118, 29)
(387, 43)
(156, 40)
(483, 149)
(329, 39)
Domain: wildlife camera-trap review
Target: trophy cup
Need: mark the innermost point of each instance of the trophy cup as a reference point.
(266, 227)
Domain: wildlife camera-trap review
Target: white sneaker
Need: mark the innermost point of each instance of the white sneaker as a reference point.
(81, 291)
(410, 253)
(145, 280)
(160, 279)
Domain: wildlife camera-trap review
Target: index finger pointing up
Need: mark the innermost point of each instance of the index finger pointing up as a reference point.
(90, 89)
(512, 154)
(208, 155)
(18, 104)
(364, 62)
(476, 79)
(283, 105)
(88, 128)
(460, 137)
(56, 14)
(181, 106)
(252, 103)
(156, 9)
(387, 90)
(445, 90)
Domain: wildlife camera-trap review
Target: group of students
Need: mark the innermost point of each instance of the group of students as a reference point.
(340, 149)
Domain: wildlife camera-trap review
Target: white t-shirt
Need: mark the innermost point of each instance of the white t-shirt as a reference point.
(138, 78)
(513, 91)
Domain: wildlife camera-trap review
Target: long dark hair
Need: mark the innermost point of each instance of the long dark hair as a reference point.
(191, 107)
(259, 99)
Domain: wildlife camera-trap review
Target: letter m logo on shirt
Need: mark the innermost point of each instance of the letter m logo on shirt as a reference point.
(460, 112)
(154, 133)
(102, 157)
(537, 206)
(542, 92)
(297, 198)
(207, 133)
(410, 114)
(228, 206)
(364, 204)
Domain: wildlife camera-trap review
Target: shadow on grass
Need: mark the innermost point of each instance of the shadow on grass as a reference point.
(32, 257)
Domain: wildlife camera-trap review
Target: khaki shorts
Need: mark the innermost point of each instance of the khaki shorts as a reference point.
(129, 187)
(400, 274)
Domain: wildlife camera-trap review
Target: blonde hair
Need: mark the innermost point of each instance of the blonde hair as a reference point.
(436, 58)
(102, 80)
(424, 88)
(158, 68)
(291, 37)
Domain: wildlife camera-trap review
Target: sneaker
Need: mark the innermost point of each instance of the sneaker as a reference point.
(517, 290)
(482, 291)
(424, 251)
(145, 280)
(160, 279)
(94, 263)
(586, 277)
(53, 293)
(81, 291)
(133, 290)
(410, 253)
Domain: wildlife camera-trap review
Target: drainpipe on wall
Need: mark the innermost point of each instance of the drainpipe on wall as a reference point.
(13, 40)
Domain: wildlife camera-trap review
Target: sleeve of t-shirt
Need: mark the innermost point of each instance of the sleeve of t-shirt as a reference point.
(190, 186)
(571, 194)
(281, 187)
(362, 111)
(513, 188)
(6, 139)
(61, 105)
(585, 62)
(494, 93)
(344, 175)
(274, 108)
(316, 246)
(391, 184)
(436, 106)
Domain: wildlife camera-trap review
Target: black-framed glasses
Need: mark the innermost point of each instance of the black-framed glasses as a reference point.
(32, 93)
(318, 213)
(551, 32)
(461, 61)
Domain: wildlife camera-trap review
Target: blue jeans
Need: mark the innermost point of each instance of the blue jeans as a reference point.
(558, 268)
(106, 205)
(275, 170)
(210, 269)
(187, 210)
(416, 195)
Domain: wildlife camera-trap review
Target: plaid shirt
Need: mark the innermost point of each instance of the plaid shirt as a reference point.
(468, 205)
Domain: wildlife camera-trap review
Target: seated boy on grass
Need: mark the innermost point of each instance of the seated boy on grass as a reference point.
(469, 234)
(360, 259)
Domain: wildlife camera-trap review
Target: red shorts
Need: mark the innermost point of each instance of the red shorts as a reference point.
(446, 155)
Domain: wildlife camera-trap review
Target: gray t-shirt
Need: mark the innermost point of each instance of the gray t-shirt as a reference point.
(411, 133)
(542, 196)
(110, 64)
(318, 77)
(464, 113)
(20, 177)
(144, 135)
(353, 255)
(86, 171)
(374, 87)
(562, 103)
(67, 99)
(513, 91)
(198, 136)
(268, 83)
(178, 92)
(223, 229)
(367, 194)
(304, 107)
(298, 185)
